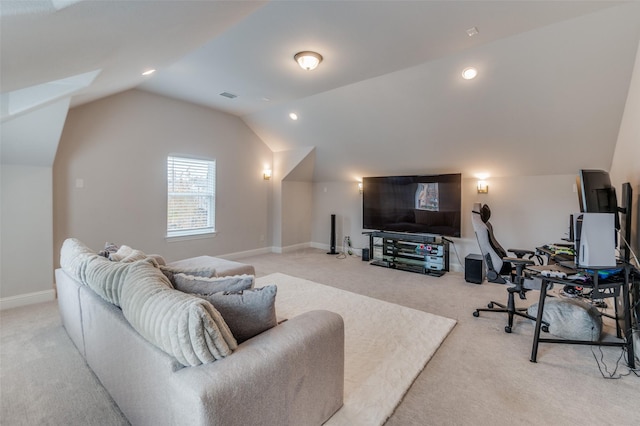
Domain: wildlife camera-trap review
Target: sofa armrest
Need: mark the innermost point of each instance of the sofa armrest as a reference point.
(292, 374)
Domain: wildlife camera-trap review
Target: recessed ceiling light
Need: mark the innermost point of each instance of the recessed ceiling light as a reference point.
(469, 73)
(293, 116)
(148, 72)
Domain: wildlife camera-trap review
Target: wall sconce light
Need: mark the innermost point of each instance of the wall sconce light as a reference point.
(266, 174)
(483, 187)
(308, 60)
(360, 187)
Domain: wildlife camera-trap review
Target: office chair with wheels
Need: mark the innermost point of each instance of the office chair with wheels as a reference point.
(503, 269)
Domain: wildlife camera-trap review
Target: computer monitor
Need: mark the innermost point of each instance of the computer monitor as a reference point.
(596, 194)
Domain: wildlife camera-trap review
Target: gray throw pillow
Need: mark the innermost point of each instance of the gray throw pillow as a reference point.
(247, 313)
(209, 285)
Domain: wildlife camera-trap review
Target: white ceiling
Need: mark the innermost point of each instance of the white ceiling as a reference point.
(388, 97)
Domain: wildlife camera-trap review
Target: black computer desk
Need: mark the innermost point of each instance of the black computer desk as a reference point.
(600, 290)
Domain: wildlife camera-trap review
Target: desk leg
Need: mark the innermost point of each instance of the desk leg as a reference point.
(627, 333)
(536, 335)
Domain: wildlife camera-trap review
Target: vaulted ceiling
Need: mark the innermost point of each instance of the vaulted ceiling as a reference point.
(388, 97)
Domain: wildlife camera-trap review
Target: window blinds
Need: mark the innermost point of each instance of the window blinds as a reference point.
(191, 187)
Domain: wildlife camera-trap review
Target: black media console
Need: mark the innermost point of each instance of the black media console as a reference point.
(425, 254)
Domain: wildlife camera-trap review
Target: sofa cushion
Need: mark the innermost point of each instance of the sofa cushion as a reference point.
(209, 285)
(107, 278)
(248, 312)
(180, 324)
(73, 258)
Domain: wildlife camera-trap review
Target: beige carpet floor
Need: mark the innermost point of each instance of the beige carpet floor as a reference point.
(386, 345)
(479, 375)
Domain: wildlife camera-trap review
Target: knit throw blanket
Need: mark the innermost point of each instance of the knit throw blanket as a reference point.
(182, 325)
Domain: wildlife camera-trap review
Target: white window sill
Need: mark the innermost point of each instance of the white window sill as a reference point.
(190, 236)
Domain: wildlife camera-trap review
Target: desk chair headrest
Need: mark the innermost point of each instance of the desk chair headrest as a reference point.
(485, 213)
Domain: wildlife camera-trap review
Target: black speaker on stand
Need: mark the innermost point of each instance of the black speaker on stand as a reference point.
(333, 235)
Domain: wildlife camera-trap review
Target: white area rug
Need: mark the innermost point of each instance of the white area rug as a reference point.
(386, 345)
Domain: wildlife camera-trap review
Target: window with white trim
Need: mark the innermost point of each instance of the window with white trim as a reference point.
(191, 196)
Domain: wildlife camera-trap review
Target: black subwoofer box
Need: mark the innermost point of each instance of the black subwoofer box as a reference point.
(473, 269)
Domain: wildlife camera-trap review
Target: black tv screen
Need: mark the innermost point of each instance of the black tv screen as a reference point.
(423, 204)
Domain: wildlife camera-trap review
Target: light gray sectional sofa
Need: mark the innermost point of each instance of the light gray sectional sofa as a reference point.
(291, 374)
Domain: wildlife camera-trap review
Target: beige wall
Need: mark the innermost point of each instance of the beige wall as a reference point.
(291, 199)
(625, 166)
(343, 200)
(26, 264)
(117, 147)
(297, 201)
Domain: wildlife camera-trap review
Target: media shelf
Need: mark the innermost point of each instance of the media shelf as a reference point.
(424, 254)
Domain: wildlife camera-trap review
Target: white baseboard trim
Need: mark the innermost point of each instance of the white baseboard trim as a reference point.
(248, 253)
(263, 250)
(294, 247)
(27, 299)
(322, 246)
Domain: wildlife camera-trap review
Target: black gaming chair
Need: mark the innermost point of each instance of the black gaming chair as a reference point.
(503, 269)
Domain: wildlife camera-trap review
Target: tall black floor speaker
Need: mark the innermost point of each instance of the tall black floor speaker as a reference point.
(333, 235)
(473, 269)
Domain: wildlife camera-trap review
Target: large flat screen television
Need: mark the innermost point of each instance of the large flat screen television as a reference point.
(423, 204)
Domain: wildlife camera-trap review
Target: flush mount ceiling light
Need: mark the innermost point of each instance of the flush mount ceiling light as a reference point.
(293, 116)
(469, 73)
(149, 72)
(308, 60)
